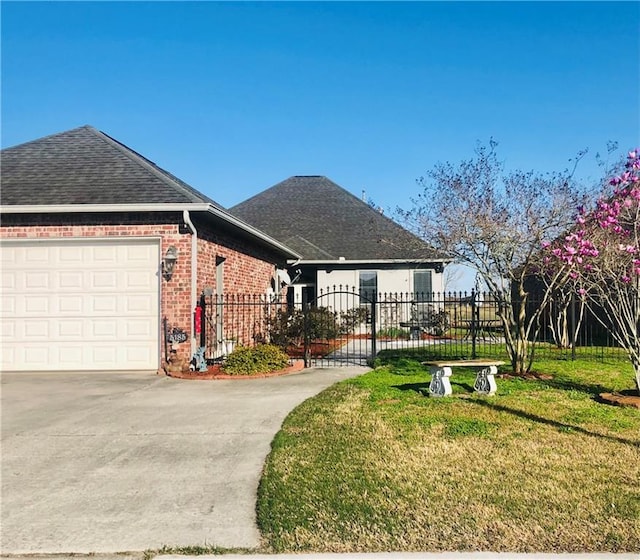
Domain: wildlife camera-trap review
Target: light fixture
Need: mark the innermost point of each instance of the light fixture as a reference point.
(169, 262)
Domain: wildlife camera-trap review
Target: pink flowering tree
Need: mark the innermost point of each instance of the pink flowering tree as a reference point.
(602, 254)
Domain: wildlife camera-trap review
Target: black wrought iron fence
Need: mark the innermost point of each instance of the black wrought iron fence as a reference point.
(342, 326)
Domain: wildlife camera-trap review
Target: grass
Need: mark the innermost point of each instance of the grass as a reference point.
(372, 464)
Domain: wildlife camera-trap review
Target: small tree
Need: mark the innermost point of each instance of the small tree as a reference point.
(495, 221)
(602, 252)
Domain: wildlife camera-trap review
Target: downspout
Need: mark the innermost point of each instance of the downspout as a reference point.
(194, 273)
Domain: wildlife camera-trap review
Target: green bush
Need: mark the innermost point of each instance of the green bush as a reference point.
(285, 328)
(394, 333)
(263, 358)
(322, 323)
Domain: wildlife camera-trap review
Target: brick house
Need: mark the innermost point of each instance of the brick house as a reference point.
(101, 248)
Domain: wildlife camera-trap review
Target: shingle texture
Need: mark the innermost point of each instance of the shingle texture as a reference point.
(322, 221)
(85, 166)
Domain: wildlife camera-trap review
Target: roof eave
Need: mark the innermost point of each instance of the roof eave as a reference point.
(115, 208)
(375, 261)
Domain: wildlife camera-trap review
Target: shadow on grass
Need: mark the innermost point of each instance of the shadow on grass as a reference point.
(554, 423)
(565, 384)
(420, 388)
(423, 387)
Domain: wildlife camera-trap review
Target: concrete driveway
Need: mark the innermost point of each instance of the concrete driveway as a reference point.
(128, 462)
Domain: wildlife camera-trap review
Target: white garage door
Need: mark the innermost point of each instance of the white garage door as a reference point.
(80, 305)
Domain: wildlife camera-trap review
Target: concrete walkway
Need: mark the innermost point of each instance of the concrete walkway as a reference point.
(104, 463)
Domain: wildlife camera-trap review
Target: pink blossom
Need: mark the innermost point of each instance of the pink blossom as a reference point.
(627, 248)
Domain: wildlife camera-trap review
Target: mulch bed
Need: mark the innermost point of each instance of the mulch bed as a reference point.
(624, 398)
(318, 349)
(217, 372)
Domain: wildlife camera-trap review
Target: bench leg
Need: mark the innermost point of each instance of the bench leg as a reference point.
(485, 381)
(440, 385)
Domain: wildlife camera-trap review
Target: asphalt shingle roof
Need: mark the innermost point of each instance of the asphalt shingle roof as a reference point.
(86, 166)
(322, 221)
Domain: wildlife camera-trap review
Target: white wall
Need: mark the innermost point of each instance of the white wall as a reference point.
(396, 287)
(389, 281)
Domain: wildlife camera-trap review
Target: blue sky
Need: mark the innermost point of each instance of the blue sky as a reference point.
(233, 97)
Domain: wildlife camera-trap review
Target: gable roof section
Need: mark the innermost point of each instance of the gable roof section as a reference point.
(322, 221)
(86, 166)
(85, 170)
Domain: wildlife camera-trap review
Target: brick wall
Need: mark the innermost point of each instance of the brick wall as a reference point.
(246, 269)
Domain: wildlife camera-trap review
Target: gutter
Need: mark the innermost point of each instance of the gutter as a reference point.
(194, 273)
(369, 261)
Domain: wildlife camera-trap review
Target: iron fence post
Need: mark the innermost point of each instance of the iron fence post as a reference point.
(203, 333)
(373, 326)
(573, 326)
(474, 306)
(306, 335)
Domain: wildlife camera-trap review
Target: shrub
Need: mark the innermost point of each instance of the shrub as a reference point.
(394, 333)
(322, 323)
(285, 328)
(352, 318)
(263, 358)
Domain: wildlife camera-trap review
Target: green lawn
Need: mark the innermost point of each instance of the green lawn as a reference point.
(372, 464)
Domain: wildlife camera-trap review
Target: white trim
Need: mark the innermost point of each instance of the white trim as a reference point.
(7, 240)
(373, 261)
(97, 208)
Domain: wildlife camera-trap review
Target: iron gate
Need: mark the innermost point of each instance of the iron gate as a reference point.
(339, 329)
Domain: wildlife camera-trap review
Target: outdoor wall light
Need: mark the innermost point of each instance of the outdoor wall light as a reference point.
(169, 262)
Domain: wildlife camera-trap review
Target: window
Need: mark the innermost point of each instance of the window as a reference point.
(422, 287)
(368, 285)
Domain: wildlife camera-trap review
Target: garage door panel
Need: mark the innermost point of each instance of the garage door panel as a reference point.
(105, 255)
(69, 280)
(36, 356)
(37, 280)
(36, 329)
(34, 306)
(7, 305)
(80, 305)
(68, 329)
(139, 305)
(38, 255)
(70, 305)
(7, 330)
(105, 329)
(69, 355)
(137, 356)
(8, 279)
(139, 280)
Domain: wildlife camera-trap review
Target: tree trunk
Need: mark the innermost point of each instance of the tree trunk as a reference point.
(636, 371)
(520, 358)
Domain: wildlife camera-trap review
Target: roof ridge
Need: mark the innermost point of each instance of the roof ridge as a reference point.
(162, 174)
(305, 240)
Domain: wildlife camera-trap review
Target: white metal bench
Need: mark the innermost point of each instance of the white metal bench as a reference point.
(485, 383)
